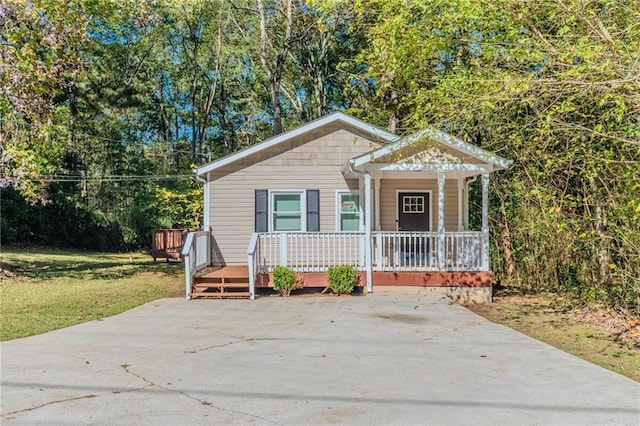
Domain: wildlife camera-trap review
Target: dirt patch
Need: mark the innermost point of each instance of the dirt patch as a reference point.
(8, 270)
(590, 331)
(403, 318)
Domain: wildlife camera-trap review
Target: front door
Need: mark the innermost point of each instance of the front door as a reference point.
(413, 215)
(413, 211)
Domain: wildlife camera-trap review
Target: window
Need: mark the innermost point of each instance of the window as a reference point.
(287, 211)
(348, 211)
(413, 204)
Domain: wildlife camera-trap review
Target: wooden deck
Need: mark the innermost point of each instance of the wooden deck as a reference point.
(225, 272)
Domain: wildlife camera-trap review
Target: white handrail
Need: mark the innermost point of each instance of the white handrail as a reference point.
(196, 254)
(252, 262)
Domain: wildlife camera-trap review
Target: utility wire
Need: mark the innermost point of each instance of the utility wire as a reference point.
(110, 178)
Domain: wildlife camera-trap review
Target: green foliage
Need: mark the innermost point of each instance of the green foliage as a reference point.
(342, 279)
(551, 85)
(285, 280)
(179, 209)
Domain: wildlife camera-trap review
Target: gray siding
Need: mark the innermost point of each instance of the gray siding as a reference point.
(312, 161)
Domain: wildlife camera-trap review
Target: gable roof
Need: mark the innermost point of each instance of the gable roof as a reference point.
(444, 138)
(283, 137)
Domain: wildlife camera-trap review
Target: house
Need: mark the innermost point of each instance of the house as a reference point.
(341, 191)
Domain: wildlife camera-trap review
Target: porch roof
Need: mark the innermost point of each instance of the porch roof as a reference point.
(360, 125)
(437, 154)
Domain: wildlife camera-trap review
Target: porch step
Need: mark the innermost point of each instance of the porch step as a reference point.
(220, 295)
(222, 283)
(219, 285)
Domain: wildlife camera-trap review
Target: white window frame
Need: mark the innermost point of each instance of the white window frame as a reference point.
(339, 193)
(303, 206)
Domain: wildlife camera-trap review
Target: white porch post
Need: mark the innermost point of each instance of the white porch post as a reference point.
(441, 248)
(367, 232)
(283, 249)
(485, 221)
(361, 191)
(376, 186)
(460, 204)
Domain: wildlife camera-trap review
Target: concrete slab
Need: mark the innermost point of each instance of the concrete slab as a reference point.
(401, 357)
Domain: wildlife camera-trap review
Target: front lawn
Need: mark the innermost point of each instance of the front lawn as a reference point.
(43, 290)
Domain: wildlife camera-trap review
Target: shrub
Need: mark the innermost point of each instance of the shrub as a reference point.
(285, 280)
(342, 279)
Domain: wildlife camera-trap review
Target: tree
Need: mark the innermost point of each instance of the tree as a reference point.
(554, 86)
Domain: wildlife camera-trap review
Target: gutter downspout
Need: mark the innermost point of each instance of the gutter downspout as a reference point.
(367, 225)
(205, 214)
(206, 222)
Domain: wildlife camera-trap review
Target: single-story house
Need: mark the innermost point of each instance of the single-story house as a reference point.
(341, 191)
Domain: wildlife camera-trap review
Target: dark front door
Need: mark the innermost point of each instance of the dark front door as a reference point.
(413, 215)
(413, 211)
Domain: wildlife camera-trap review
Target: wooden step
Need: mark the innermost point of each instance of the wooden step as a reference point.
(220, 295)
(219, 280)
(199, 284)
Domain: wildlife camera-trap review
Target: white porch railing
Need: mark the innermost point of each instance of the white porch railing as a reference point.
(309, 251)
(196, 253)
(427, 251)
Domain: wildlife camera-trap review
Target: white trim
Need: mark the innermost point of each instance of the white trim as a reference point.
(340, 192)
(269, 143)
(444, 167)
(426, 191)
(376, 200)
(460, 204)
(367, 230)
(441, 137)
(303, 207)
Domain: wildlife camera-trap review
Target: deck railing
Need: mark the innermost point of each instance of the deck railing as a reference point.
(196, 253)
(427, 251)
(309, 251)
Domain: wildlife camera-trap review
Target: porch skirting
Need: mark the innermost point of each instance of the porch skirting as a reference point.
(433, 279)
(462, 287)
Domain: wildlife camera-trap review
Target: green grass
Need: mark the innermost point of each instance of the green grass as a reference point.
(54, 289)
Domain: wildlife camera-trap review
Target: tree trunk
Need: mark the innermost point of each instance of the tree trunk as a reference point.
(602, 240)
(506, 244)
(274, 72)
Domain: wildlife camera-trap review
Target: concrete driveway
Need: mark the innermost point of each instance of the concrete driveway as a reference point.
(411, 358)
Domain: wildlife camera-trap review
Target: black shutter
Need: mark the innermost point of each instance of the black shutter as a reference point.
(262, 210)
(313, 210)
